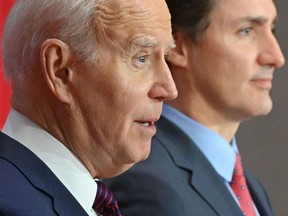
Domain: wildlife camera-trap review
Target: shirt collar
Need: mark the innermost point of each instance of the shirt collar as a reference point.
(217, 150)
(63, 163)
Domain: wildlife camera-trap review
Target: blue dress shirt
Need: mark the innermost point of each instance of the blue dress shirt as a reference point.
(217, 150)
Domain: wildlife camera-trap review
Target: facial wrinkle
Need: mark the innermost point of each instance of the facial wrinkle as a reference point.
(118, 16)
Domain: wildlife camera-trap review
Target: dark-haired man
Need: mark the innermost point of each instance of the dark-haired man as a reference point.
(223, 67)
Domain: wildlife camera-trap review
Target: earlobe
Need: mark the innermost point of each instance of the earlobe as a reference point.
(55, 61)
(179, 55)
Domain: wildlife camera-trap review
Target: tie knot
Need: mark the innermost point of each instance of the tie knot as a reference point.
(238, 170)
(104, 203)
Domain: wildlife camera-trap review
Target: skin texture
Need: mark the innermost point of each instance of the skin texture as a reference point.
(98, 109)
(226, 78)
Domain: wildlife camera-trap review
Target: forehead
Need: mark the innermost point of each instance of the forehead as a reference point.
(124, 20)
(234, 9)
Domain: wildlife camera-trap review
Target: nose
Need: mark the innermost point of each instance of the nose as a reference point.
(271, 52)
(164, 87)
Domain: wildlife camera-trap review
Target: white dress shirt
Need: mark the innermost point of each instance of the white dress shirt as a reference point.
(63, 163)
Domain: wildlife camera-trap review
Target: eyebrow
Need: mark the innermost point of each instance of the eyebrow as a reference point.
(257, 20)
(172, 45)
(144, 42)
(148, 42)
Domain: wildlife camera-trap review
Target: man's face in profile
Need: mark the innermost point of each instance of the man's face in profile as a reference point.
(122, 94)
(232, 66)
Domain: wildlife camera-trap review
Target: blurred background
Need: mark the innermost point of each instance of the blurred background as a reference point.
(5, 91)
(263, 141)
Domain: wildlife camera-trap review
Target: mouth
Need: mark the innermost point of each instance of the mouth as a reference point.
(265, 83)
(146, 124)
(146, 127)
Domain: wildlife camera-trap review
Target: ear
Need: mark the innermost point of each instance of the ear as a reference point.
(179, 55)
(55, 61)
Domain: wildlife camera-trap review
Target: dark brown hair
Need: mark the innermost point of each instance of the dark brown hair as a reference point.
(191, 16)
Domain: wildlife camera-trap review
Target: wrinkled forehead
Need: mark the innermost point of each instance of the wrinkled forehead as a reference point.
(124, 19)
(121, 10)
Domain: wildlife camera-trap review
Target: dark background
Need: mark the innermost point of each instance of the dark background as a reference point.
(263, 141)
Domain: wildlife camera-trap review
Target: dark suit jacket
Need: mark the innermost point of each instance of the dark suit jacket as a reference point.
(28, 187)
(178, 180)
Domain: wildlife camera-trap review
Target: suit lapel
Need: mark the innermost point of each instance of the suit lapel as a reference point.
(258, 195)
(40, 176)
(204, 179)
(211, 187)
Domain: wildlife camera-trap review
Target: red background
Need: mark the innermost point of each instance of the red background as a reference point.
(5, 90)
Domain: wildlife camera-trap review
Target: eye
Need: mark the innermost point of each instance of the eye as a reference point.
(141, 60)
(246, 31)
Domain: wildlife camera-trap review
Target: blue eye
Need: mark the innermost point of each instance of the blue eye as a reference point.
(142, 59)
(246, 31)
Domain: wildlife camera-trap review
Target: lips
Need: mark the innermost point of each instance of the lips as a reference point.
(146, 126)
(263, 82)
(146, 123)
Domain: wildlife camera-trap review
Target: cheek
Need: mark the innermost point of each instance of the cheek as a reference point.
(227, 62)
(233, 70)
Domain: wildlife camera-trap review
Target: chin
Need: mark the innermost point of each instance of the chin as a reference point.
(265, 108)
(140, 157)
(139, 151)
(258, 113)
(120, 170)
(260, 107)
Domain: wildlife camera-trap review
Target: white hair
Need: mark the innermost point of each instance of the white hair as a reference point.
(31, 22)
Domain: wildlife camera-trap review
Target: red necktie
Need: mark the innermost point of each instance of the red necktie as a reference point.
(104, 203)
(240, 189)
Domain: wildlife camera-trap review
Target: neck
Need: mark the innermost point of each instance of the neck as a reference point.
(208, 117)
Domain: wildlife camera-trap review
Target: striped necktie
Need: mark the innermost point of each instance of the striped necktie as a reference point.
(104, 203)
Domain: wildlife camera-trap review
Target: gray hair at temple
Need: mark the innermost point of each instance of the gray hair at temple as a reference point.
(32, 22)
(191, 16)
